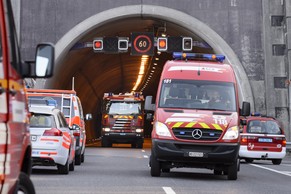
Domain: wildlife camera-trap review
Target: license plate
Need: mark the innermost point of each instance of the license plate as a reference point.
(196, 154)
(33, 137)
(265, 140)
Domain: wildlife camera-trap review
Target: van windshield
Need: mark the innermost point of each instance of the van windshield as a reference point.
(197, 94)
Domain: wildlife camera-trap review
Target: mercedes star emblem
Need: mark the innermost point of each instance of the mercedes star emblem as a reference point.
(196, 133)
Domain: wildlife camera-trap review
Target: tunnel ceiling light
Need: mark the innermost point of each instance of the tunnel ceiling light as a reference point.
(155, 64)
(157, 59)
(143, 63)
(154, 67)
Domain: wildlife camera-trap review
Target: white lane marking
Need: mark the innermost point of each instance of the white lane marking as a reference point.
(145, 156)
(270, 169)
(169, 190)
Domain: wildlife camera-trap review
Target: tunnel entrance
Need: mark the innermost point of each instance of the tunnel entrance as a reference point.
(96, 73)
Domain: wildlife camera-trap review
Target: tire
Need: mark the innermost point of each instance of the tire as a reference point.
(276, 161)
(78, 159)
(105, 143)
(217, 172)
(83, 157)
(63, 169)
(249, 160)
(155, 166)
(72, 166)
(140, 144)
(133, 145)
(25, 185)
(232, 171)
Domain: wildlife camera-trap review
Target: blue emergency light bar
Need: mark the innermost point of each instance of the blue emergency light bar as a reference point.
(43, 102)
(256, 114)
(211, 57)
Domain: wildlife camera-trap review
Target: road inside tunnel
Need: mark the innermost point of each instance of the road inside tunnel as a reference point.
(97, 73)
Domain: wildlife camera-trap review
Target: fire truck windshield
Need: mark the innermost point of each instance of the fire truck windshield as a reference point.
(194, 94)
(122, 108)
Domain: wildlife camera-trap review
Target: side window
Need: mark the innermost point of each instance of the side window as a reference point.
(1, 58)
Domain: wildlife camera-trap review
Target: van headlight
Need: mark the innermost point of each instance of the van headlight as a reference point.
(231, 133)
(162, 129)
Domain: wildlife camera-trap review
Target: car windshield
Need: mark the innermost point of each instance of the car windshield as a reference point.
(266, 127)
(117, 107)
(42, 121)
(197, 94)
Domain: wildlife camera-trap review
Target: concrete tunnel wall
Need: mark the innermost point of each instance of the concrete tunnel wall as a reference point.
(189, 22)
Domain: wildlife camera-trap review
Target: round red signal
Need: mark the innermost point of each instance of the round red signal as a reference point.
(98, 44)
(162, 43)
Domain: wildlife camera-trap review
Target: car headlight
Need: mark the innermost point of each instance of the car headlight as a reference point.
(231, 133)
(162, 129)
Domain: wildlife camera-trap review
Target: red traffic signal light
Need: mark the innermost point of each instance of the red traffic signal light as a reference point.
(98, 44)
(162, 44)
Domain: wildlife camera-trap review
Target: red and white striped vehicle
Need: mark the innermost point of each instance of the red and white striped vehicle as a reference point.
(262, 138)
(53, 142)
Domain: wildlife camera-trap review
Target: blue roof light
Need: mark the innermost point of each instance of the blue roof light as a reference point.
(256, 114)
(51, 103)
(211, 57)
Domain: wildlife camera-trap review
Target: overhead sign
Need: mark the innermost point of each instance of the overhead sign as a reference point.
(142, 43)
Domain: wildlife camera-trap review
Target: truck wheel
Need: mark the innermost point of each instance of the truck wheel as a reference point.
(140, 144)
(155, 166)
(249, 160)
(232, 171)
(25, 185)
(72, 166)
(105, 143)
(133, 145)
(63, 169)
(78, 159)
(277, 161)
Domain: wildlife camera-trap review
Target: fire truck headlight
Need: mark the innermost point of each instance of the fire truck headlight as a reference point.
(139, 130)
(231, 133)
(162, 129)
(106, 129)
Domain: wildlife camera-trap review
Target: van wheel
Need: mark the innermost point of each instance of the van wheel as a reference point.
(232, 171)
(249, 160)
(78, 159)
(83, 157)
(277, 161)
(72, 166)
(25, 185)
(63, 169)
(155, 166)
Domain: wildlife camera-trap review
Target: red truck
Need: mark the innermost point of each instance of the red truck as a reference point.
(196, 121)
(15, 146)
(123, 119)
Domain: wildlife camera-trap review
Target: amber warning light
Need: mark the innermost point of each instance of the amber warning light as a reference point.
(162, 44)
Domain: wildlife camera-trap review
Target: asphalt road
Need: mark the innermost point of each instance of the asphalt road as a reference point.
(123, 170)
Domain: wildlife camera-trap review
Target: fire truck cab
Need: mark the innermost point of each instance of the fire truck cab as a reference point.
(196, 121)
(123, 119)
(15, 146)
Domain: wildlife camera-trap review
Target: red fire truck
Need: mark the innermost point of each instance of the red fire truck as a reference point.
(15, 147)
(123, 119)
(196, 121)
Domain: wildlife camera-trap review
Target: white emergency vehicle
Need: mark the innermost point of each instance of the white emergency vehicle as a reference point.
(53, 142)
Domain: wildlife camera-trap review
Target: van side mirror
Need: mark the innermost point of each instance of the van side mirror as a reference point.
(88, 117)
(43, 66)
(148, 104)
(246, 109)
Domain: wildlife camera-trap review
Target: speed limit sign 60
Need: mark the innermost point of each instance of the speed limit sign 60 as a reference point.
(142, 43)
